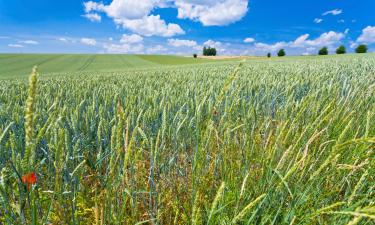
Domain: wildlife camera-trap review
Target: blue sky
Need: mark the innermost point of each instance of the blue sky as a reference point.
(234, 27)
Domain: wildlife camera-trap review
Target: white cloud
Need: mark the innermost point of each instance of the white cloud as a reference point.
(92, 6)
(318, 20)
(135, 16)
(158, 49)
(346, 31)
(63, 39)
(124, 48)
(88, 41)
(270, 47)
(29, 42)
(368, 35)
(249, 40)
(353, 44)
(334, 12)
(212, 12)
(341, 21)
(182, 43)
(15, 46)
(93, 17)
(150, 26)
(302, 44)
(131, 39)
(326, 39)
(211, 43)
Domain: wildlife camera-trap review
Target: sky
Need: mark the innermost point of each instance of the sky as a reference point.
(183, 27)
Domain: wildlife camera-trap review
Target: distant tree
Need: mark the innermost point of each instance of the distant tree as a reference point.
(208, 51)
(361, 49)
(269, 55)
(195, 55)
(323, 51)
(281, 53)
(341, 50)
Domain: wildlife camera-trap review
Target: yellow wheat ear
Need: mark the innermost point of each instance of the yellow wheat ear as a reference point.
(29, 156)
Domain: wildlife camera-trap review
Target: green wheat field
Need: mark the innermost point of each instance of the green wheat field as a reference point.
(121, 139)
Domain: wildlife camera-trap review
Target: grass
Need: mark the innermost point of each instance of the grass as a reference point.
(282, 141)
(18, 65)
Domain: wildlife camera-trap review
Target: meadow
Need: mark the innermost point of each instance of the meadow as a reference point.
(118, 139)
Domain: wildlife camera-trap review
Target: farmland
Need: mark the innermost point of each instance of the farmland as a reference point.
(120, 139)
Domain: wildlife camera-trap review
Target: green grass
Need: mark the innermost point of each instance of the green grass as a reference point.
(18, 65)
(280, 141)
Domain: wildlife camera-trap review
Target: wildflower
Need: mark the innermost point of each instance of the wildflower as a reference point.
(29, 179)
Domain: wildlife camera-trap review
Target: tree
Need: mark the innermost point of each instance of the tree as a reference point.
(323, 51)
(281, 53)
(269, 55)
(361, 49)
(195, 55)
(208, 51)
(341, 50)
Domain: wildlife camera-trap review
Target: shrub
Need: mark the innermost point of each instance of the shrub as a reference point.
(323, 51)
(341, 50)
(269, 55)
(195, 55)
(281, 53)
(361, 49)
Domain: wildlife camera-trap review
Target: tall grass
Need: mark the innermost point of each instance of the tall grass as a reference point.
(264, 143)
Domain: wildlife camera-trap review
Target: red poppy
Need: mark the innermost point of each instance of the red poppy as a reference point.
(29, 179)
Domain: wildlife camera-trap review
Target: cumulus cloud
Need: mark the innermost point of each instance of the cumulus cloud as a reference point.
(303, 43)
(181, 43)
(15, 46)
(368, 35)
(333, 12)
(131, 39)
(150, 26)
(88, 41)
(137, 16)
(318, 20)
(158, 49)
(129, 44)
(212, 12)
(124, 48)
(29, 42)
(249, 40)
(93, 17)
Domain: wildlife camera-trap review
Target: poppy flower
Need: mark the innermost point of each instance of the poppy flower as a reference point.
(29, 179)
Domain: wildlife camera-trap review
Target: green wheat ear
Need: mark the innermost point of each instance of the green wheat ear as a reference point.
(29, 156)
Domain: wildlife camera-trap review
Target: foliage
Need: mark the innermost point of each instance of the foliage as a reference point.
(341, 50)
(323, 51)
(195, 56)
(281, 53)
(361, 49)
(289, 141)
(208, 51)
(269, 55)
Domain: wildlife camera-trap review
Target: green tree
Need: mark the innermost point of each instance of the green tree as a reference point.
(361, 49)
(269, 55)
(281, 53)
(208, 51)
(323, 51)
(341, 50)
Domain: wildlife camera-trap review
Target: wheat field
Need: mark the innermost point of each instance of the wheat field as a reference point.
(279, 141)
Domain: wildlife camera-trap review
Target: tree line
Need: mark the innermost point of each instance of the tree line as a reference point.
(324, 50)
(210, 51)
